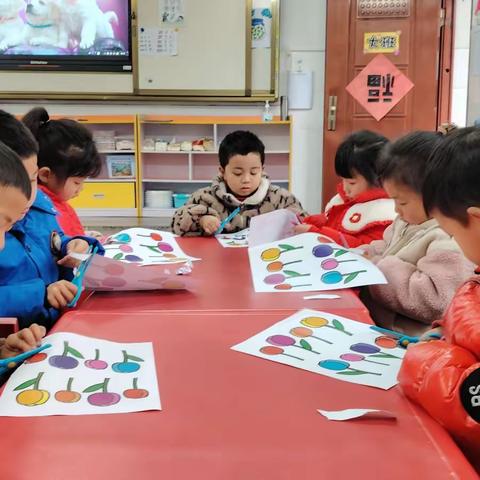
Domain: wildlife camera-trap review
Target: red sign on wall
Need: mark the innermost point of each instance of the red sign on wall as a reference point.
(379, 87)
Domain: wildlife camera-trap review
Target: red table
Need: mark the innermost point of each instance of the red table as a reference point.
(227, 416)
(223, 283)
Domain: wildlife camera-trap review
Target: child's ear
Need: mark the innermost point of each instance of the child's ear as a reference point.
(221, 171)
(44, 174)
(474, 212)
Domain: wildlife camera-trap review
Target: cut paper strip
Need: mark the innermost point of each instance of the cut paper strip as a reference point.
(307, 262)
(272, 226)
(329, 345)
(234, 240)
(143, 246)
(353, 413)
(322, 296)
(82, 375)
(106, 274)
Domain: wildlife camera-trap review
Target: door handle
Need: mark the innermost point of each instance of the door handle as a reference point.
(332, 113)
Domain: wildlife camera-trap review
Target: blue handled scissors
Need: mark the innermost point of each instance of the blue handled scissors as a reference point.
(402, 339)
(11, 362)
(80, 273)
(224, 223)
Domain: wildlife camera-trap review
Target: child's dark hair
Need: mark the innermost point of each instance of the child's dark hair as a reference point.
(12, 171)
(405, 160)
(15, 135)
(66, 146)
(452, 180)
(358, 153)
(240, 143)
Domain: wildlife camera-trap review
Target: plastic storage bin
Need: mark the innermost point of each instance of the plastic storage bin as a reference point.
(180, 199)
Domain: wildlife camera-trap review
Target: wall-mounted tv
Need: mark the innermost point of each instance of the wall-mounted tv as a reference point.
(74, 35)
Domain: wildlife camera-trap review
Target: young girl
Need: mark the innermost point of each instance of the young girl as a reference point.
(67, 156)
(361, 210)
(423, 265)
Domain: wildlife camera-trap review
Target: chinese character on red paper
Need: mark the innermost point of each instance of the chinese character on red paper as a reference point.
(379, 86)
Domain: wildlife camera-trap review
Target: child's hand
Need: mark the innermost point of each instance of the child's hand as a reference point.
(76, 245)
(301, 228)
(61, 293)
(22, 341)
(432, 334)
(209, 224)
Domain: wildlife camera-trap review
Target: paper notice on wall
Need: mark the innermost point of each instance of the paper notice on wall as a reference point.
(157, 41)
(171, 11)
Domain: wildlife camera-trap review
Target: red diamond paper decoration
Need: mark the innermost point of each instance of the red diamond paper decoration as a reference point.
(379, 87)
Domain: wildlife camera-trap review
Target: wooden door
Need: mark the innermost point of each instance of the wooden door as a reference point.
(422, 43)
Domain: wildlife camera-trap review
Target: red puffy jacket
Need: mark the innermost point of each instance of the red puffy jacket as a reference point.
(444, 376)
(357, 221)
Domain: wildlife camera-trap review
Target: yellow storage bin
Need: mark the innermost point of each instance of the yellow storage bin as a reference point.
(106, 195)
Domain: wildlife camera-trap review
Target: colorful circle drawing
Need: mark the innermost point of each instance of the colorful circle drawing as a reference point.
(278, 266)
(343, 368)
(386, 342)
(371, 350)
(135, 392)
(274, 253)
(122, 238)
(304, 332)
(318, 322)
(276, 278)
(287, 286)
(332, 263)
(333, 277)
(64, 361)
(271, 350)
(96, 363)
(34, 397)
(354, 357)
(281, 340)
(68, 396)
(133, 258)
(103, 398)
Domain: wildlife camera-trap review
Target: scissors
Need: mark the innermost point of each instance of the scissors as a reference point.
(224, 223)
(402, 339)
(80, 273)
(11, 362)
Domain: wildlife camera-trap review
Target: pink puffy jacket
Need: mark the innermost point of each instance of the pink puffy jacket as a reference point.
(444, 376)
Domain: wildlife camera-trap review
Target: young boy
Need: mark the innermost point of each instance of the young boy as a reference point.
(423, 265)
(444, 375)
(31, 287)
(241, 183)
(15, 191)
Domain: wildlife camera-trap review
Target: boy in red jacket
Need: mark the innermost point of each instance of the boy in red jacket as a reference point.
(444, 375)
(361, 210)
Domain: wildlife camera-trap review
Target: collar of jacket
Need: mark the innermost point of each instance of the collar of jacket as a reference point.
(42, 203)
(219, 189)
(366, 196)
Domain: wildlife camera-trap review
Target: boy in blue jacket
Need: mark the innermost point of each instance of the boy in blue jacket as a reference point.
(32, 286)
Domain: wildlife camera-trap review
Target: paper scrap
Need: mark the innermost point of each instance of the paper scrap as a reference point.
(352, 413)
(322, 296)
(157, 41)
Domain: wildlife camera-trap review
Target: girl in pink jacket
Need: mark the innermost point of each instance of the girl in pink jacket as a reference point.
(423, 265)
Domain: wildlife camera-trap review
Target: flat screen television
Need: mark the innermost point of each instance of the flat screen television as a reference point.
(72, 35)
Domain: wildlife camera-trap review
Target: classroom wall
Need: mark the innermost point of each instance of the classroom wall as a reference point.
(302, 30)
(461, 48)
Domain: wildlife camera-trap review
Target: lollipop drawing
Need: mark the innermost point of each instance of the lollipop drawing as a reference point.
(304, 332)
(153, 236)
(127, 366)
(64, 361)
(33, 397)
(38, 357)
(371, 350)
(355, 357)
(343, 368)
(160, 247)
(319, 322)
(135, 392)
(278, 266)
(96, 363)
(274, 253)
(68, 396)
(332, 277)
(332, 263)
(287, 286)
(123, 248)
(103, 398)
(272, 350)
(386, 342)
(120, 238)
(325, 250)
(286, 341)
(277, 278)
(128, 258)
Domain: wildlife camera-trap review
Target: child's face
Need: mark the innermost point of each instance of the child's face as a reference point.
(408, 203)
(13, 206)
(31, 167)
(243, 174)
(467, 236)
(355, 186)
(72, 188)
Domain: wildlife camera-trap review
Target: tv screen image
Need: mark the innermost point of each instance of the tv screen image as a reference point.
(65, 34)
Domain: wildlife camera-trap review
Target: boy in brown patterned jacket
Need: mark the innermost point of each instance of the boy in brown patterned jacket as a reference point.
(241, 183)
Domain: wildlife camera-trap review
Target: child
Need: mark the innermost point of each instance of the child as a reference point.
(422, 263)
(15, 190)
(67, 156)
(241, 183)
(361, 210)
(32, 287)
(444, 375)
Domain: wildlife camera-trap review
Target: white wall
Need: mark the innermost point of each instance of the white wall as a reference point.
(461, 47)
(300, 32)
